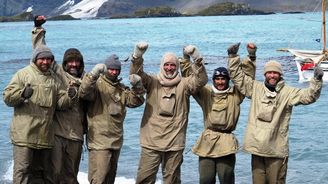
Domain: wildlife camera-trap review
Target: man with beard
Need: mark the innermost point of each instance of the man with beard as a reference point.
(165, 118)
(272, 101)
(35, 92)
(217, 146)
(107, 101)
(70, 124)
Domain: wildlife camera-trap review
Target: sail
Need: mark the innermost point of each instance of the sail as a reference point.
(316, 55)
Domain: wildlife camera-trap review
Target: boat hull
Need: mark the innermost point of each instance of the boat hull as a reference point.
(307, 74)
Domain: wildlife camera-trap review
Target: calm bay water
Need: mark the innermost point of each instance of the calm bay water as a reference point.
(97, 39)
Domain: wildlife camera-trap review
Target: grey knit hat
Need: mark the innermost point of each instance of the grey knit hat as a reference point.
(113, 62)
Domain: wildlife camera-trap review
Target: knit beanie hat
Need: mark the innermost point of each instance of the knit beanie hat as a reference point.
(113, 62)
(272, 66)
(221, 71)
(42, 51)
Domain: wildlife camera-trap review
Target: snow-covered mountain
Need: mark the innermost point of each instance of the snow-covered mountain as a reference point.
(110, 8)
(83, 9)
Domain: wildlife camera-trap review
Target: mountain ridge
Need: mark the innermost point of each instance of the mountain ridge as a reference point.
(112, 8)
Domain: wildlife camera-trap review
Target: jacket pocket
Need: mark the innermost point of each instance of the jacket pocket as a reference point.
(167, 105)
(218, 113)
(44, 95)
(266, 110)
(115, 107)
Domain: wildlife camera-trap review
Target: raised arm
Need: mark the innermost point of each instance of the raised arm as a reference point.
(312, 93)
(243, 82)
(199, 78)
(38, 32)
(136, 66)
(87, 90)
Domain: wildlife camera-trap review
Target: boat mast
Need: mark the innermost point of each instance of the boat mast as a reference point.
(324, 25)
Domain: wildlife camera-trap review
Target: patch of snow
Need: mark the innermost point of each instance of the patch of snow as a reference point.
(85, 9)
(67, 4)
(29, 9)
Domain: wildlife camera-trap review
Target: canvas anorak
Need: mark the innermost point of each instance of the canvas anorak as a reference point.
(270, 112)
(165, 118)
(106, 110)
(221, 111)
(32, 124)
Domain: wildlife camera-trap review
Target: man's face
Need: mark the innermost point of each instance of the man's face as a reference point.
(73, 67)
(170, 69)
(272, 77)
(113, 73)
(220, 83)
(43, 64)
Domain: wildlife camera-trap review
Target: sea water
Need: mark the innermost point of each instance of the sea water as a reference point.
(97, 39)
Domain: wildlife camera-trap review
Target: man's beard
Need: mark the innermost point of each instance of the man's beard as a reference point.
(74, 72)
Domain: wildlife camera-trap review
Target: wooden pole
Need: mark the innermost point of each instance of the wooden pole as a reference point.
(324, 25)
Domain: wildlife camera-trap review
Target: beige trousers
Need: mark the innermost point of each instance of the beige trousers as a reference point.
(149, 163)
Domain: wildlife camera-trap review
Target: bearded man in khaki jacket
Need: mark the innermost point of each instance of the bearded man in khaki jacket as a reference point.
(165, 118)
(272, 101)
(35, 92)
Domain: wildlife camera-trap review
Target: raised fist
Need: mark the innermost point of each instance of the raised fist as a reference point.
(140, 49)
(233, 50)
(192, 51)
(39, 20)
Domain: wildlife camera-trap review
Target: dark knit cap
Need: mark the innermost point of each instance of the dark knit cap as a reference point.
(72, 54)
(113, 62)
(221, 72)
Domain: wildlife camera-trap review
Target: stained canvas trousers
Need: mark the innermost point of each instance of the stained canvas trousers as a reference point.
(31, 166)
(65, 160)
(269, 170)
(224, 167)
(103, 166)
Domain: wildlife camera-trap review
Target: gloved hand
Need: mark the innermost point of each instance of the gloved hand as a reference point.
(251, 49)
(28, 91)
(39, 20)
(192, 51)
(140, 49)
(98, 69)
(135, 81)
(318, 73)
(233, 50)
(71, 91)
(185, 55)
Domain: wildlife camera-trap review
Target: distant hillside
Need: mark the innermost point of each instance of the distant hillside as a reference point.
(112, 8)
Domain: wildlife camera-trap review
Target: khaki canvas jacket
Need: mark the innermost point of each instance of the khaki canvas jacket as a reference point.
(221, 113)
(70, 123)
(270, 112)
(107, 102)
(32, 124)
(165, 118)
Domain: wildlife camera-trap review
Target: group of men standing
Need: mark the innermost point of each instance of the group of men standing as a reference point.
(56, 105)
